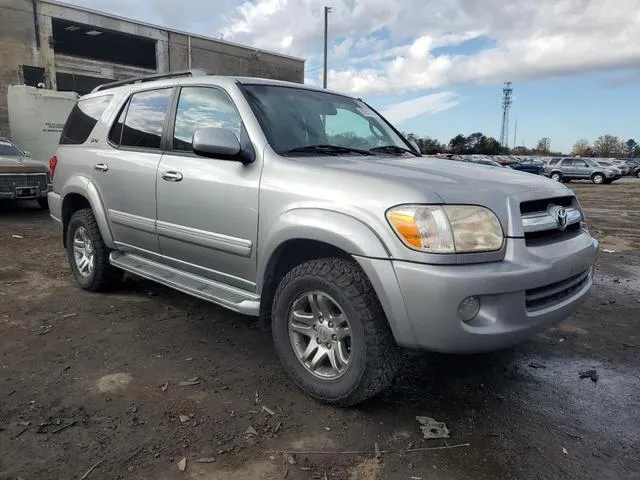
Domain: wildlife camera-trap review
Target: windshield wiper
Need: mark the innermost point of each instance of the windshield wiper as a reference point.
(328, 150)
(393, 149)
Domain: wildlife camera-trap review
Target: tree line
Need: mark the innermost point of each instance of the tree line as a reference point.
(478, 143)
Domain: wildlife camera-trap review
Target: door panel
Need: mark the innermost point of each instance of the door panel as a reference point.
(207, 221)
(128, 175)
(581, 169)
(568, 170)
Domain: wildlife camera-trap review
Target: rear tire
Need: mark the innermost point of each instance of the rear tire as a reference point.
(333, 288)
(88, 255)
(597, 178)
(43, 202)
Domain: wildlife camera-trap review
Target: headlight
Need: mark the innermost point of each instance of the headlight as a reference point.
(447, 228)
(611, 172)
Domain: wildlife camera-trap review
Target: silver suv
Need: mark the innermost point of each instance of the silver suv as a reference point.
(308, 209)
(567, 169)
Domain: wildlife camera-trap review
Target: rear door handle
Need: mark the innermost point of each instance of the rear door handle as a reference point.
(101, 167)
(172, 176)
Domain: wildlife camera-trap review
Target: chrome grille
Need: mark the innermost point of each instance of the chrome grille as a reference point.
(550, 219)
(9, 182)
(541, 297)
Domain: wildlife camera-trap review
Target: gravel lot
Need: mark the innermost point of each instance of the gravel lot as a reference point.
(94, 380)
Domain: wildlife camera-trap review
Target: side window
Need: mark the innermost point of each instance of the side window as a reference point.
(567, 163)
(201, 107)
(145, 118)
(115, 135)
(83, 119)
(581, 164)
(350, 129)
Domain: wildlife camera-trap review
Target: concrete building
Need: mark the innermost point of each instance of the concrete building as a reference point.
(68, 48)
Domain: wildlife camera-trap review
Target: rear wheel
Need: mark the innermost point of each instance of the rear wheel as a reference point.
(331, 333)
(557, 176)
(88, 255)
(597, 178)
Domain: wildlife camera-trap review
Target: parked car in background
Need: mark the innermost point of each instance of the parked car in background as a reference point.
(621, 165)
(567, 169)
(306, 208)
(529, 166)
(608, 164)
(21, 177)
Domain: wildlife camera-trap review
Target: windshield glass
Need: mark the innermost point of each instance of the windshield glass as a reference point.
(293, 118)
(8, 149)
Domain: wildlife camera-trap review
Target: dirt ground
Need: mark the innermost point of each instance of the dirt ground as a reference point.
(90, 384)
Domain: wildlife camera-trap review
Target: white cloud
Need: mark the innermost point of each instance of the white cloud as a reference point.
(386, 46)
(434, 103)
(530, 39)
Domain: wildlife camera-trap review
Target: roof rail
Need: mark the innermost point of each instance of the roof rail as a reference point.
(151, 78)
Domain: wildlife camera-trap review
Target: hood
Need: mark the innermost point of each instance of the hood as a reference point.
(451, 180)
(11, 164)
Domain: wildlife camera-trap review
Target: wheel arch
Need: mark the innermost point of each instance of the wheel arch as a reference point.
(302, 235)
(79, 194)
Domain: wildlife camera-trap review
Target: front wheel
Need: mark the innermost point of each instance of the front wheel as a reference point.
(331, 333)
(597, 178)
(557, 176)
(637, 173)
(88, 255)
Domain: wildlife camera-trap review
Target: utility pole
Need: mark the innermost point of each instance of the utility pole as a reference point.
(515, 132)
(507, 91)
(326, 28)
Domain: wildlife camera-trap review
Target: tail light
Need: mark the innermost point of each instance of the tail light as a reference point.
(53, 163)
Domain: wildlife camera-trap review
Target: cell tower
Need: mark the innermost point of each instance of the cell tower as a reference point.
(507, 91)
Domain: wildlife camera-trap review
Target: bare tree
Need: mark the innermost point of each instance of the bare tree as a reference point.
(582, 148)
(607, 146)
(543, 145)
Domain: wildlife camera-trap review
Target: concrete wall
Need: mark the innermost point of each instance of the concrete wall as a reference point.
(17, 47)
(37, 117)
(222, 58)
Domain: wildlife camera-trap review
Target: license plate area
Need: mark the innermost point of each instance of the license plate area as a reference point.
(26, 192)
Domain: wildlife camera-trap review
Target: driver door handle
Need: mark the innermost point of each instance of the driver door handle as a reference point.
(101, 167)
(171, 176)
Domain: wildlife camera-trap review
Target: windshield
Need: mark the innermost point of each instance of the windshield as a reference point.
(294, 118)
(8, 149)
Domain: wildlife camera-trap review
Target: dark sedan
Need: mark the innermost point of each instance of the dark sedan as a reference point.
(529, 166)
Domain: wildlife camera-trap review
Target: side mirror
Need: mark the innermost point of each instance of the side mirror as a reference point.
(216, 142)
(27, 153)
(415, 145)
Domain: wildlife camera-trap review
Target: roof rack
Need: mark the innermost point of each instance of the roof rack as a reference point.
(151, 78)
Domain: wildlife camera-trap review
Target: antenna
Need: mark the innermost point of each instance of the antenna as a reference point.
(507, 92)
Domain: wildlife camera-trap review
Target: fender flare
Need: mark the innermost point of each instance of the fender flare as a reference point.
(85, 187)
(333, 228)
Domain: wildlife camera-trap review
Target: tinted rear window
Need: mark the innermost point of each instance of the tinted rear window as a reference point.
(83, 119)
(145, 119)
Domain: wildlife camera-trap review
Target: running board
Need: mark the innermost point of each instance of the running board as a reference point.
(226, 296)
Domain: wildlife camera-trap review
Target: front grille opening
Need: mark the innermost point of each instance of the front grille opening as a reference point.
(9, 182)
(555, 235)
(541, 297)
(535, 206)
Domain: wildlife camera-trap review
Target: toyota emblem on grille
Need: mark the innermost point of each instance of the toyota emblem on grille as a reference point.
(561, 218)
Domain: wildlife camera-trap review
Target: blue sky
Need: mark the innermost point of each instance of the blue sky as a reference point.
(436, 67)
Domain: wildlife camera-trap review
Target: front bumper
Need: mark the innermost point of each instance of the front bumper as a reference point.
(529, 291)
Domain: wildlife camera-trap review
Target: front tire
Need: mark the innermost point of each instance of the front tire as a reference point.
(331, 333)
(597, 178)
(88, 255)
(557, 176)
